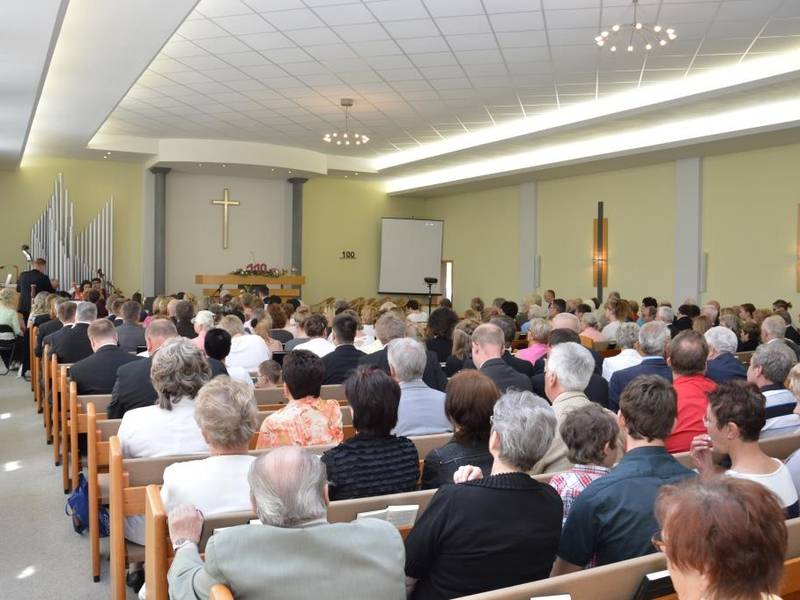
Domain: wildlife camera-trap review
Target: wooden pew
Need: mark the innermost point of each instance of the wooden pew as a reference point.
(128, 478)
(97, 459)
(55, 416)
(275, 395)
(34, 367)
(620, 580)
(63, 391)
(78, 408)
(780, 447)
(158, 549)
(47, 395)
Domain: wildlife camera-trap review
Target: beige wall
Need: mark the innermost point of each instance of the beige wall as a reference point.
(25, 192)
(481, 237)
(639, 205)
(260, 227)
(339, 215)
(750, 204)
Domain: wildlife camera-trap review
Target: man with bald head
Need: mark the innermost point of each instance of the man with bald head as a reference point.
(133, 388)
(488, 345)
(572, 323)
(294, 550)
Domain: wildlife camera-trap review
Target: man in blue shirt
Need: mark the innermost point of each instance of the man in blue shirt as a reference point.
(612, 519)
(652, 345)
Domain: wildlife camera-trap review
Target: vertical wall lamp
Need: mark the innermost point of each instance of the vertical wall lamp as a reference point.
(600, 253)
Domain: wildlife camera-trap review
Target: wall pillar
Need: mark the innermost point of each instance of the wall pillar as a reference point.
(528, 239)
(688, 229)
(297, 222)
(160, 230)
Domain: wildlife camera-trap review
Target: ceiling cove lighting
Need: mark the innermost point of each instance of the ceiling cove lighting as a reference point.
(776, 115)
(710, 82)
(635, 35)
(346, 137)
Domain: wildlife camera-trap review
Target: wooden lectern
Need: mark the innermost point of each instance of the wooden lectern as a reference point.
(275, 284)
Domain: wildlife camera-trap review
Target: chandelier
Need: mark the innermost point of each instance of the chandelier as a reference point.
(635, 35)
(346, 137)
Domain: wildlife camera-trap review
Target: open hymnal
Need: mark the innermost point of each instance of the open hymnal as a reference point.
(400, 516)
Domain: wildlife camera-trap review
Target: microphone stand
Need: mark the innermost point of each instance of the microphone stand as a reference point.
(430, 298)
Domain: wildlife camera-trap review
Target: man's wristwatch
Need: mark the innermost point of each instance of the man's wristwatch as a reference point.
(180, 543)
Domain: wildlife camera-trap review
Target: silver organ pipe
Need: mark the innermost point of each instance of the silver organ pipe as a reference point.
(70, 255)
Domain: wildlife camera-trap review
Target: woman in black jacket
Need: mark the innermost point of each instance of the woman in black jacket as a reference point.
(469, 403)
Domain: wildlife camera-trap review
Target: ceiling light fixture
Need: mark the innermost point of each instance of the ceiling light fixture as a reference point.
(346, 137)
(635, 35)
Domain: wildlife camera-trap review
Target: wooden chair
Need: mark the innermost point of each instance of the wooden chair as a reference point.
(63, 391)
(274, 396)
(744, 357)
(55, 416)
(31, 347)
(426, 443)
(610, 352)
(158, 550)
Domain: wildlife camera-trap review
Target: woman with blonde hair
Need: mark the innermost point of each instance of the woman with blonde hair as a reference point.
(10, 318)
(462, 346)
(262, 330)
(159, 309)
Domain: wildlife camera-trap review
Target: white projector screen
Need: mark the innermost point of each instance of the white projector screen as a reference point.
(411, 250)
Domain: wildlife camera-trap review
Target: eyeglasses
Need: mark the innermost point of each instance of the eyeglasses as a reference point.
(658, 542)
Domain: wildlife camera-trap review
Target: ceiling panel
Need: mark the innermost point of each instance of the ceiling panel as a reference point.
(413, 65)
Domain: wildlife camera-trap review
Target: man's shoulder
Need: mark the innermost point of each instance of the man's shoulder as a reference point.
(138, 363)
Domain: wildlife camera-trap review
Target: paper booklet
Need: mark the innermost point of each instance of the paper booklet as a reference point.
(399, 516)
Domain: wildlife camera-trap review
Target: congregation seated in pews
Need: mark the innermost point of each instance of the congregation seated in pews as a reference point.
(522, 487)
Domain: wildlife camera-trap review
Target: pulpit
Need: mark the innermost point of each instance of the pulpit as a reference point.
(285, 286)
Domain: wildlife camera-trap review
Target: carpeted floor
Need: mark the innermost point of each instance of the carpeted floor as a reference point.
(41, 557)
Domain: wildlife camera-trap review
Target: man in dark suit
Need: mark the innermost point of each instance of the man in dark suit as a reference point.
(344, 360)
(130, 333)
(391, 327)
(37, 277)
(488, 345)
(653, 340)
(596, 390)
(133, 388)
(509, 329)
(97, 373)
(65, 313)
(722, 365)
(74, 344)
(115, 311)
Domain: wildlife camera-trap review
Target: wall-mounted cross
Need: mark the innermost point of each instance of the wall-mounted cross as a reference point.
(225, 203)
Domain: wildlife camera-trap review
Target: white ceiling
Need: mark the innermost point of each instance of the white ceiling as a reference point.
(102, 49)
(27, 36)
(420, 70)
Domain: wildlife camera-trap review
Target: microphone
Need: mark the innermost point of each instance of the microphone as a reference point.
(100, 273)
(26, 253)
(219, 289)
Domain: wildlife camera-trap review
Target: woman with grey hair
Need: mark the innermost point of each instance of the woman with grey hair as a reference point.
(627, 338)
(178, 372)
(225, 410)
(491, 532)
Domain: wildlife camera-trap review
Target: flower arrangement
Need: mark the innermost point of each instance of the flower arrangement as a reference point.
(259, 270)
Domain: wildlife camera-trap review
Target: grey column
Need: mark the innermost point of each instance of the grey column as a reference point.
(528, 239)
(297, 222)
(160, 227)
(688, 228)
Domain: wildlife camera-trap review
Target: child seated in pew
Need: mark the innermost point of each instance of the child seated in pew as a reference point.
(269, 375)
(591, 435)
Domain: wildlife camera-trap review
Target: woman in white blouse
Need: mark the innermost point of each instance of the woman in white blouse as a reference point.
(627, 337)
(247, 351)
(225, 410)
(168, 427)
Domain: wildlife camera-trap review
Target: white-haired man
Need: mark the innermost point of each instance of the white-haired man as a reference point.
(569, 369)
(722, 365)
(294, 549)
(421, 409)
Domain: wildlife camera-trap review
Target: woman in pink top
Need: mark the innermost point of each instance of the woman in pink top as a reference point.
(589, 328)
(537, 341)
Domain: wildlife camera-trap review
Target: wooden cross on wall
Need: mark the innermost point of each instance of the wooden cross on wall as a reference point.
(225, 203)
